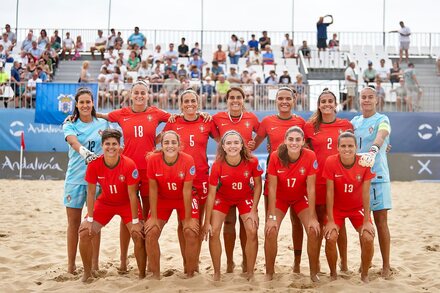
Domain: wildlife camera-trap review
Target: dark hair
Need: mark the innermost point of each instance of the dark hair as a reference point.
(109, 133)
(238, 89)
(316, 118)
(79, 92)
(245, 154)
(189, 91)
(282, 148)
(347, 134)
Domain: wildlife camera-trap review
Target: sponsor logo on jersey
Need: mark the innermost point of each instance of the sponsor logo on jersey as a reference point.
(101, 177)
(121, 178)
(192, 170)
(126, 119)
(273, 128)
(178, 128)
(338, 175)
(224, 176)
(280, 171)
(135, 174)
(157, 175)
(223, 124)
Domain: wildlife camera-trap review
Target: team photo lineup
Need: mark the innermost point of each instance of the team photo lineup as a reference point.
(320, 171)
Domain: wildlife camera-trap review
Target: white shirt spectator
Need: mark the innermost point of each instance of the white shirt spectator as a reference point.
(350, 72)
(6, 45)
(116, 86)
(33, 83)
(68, 43)
(404, 30)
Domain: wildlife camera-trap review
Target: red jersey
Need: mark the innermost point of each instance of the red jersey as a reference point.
(245, 125)
(325, 142)
(139, 131)
(170, 179)
(292, 180)
(347, 182)
(275, 128)
(194, 137)
(235, 182)
(114, 181)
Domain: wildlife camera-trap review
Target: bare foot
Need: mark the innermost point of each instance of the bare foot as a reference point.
(141, 276)
(343, 267)
(314, 278)
(296, 269)
(365, 278)
(333, 277)
(250, 276)
(386, 273)
(268, 277)
(123, 266)
(87, 278)
(230, 267)
(244, 267)
(216, 277)
(71, 269)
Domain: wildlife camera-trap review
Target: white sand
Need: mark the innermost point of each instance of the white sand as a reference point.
(33, 250)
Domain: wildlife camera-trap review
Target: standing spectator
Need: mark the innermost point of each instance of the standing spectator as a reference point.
(171, 86)
(234, 50)
(382, 72)
(321, 27)
(219, 55)
(183, 49)
(300, 88)
(244, 50)
(404, 33)
(26, 45)
(305, 50)
(99, 45)
(31, 91)
(333, 44)
(68, 46)
(16, 77)
(253, 43)
(137, 38)
(351, 85)
(412, 87)
(11, 35)
(369, 74)
(395, 73)
(268, 57)
(196, 49)
(171, 53)
(401, 96)
(285, 77)
(284, 44)
(264, 41)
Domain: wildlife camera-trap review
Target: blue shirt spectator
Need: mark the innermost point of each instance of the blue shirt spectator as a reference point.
(137, 38)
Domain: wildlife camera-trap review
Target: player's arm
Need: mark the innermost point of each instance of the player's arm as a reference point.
(152, 221)
(102, 115)
(187, 198)
(330, 226)
(88, 224)
(208, 211)
(368, 159)
(257, 193)
(271, 221)
(136, 225)
(313, 222)
(366, 226)
(258, 140)
(86, 154)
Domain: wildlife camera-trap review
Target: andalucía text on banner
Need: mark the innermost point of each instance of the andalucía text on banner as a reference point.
(54, 101)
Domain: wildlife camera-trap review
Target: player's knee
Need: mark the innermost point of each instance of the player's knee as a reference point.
(137, 238)
(189, 234)
(251, 233)
(367, 238)
(332, 239)
(215, 232)
(84, 235)
(272, 235)
(152, 235)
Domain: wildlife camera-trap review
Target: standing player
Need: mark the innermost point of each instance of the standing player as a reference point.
(118, 177)
(291, 172)
(171, 174)
(235, 180)
(84, 139)
(321, 132)
(372, 131)
(274, 128)
(194, 135)
(245, 123)
(348, 187)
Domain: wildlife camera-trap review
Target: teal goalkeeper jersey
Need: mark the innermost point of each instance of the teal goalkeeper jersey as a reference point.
(366, 130)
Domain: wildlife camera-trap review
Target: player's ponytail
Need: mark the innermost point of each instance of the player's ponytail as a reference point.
(316, 118)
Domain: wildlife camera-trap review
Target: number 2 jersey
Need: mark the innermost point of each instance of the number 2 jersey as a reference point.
(347, 182)
(139, 129)
(235, 183)
(114, 181)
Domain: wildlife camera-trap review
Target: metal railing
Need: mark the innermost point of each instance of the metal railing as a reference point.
(259, 97)
(430, 40)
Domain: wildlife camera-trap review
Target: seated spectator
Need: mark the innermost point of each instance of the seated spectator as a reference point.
(48, 65)
(109, 65)
(115, 89)
(233, 77)
(380, 93)
(11, 35)
(169, 65)
(126, 92)
(307, 53)
(221, 87)
(156, 56)
(253, 43)
(382, 71)
(5, 56)
(285, 77)
(42, 74)
(369, 74)
(43, 40)
(23, 59)
(144, 71)
(26, 45)
(122, 68)
(264, 41)
(183, 49)
(194, 73)
(196, 49)
(136, 38)
(171, 53)
(134, 62)
(401, 95)
(171, 87)
(272, 78)
(255, 57)
(156, 81)
(55, 45)
(103, 82)
(208, 91)
(56, 37)
(249, 92)
(300, 88)
(268, 57)
(395, 73)
(216, 70)
(119, 41)
(244, 50)
(249, 68)
(4, 76)
(35, 51)
(31, 67)
(6, 43)
(68, 46)
(197, 61)
(333, 44)
(85, 75)
(100, 45)
(284, 44)
(219, 55)
(31, 90)
(111, 39)
(245, 76)
(79, 47)
(289, 50)
(207, 72)
(182, 72)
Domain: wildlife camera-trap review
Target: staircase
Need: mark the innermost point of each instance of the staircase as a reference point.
(69, 71)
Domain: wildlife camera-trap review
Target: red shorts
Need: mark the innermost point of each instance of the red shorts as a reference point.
(166, 206)
(223, 205)
(143, 183)
(321, 194)
(297, 205)
(356, 217)
(103, 213)
(201, 187)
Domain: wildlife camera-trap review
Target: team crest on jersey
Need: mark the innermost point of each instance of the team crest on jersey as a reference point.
(192, 170)
(371, 129)
(149, 118)
(135, 174)
(358, 177)
(202, 128)
(302, 170)
(121, 178)
(247, 124)
(182, 175)
(315, 164)
(68, 198)
(100, 132)
(246, 174)
(340, 131)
